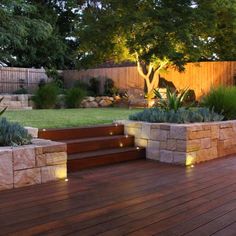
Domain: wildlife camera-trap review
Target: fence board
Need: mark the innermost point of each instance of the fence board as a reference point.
(12, 77)
(199, 77)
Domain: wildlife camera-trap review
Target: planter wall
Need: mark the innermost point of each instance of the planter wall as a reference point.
(184, 144)
(16, 101)
(40, 162)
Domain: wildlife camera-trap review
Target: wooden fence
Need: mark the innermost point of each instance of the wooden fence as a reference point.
(11, 78)
(199, 77)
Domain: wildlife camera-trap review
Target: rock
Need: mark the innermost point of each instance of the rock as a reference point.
(90, 99)
(98, 99)
(27, 177)
(105, 103)
(52, 173)
(6, 169)
(85, 105)
(24, 157)
(93, 104)
(116, 98)
(32, 131)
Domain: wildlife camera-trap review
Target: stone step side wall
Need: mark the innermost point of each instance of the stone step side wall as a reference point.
(40, 162)
(20, 101)
(184, 144)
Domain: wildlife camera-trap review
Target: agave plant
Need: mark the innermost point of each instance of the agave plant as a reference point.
(4, 109)
(173, 100)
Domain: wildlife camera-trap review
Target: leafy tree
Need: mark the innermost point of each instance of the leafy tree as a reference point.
(16, 28)
(38, 33)
(224, 44)
(154, 34)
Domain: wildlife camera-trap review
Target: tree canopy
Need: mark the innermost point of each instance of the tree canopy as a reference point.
(155, 34)
(38, 33)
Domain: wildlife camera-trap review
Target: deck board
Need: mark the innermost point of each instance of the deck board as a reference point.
(136, 198)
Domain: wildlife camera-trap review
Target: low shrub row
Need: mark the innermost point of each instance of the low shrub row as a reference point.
(12, 134)
(46, 95)
(219, 104)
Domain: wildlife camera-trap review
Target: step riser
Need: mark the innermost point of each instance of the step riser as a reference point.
(99, 145)
(80, 133)
(80, 164)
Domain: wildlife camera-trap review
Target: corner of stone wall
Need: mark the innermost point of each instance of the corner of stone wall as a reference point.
(184, 144)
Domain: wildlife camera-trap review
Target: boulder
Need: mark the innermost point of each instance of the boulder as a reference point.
(90, 99)
(93, 104)
(105, 103)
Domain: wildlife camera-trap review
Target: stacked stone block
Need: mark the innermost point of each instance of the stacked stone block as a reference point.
(40, 162)
(184, 144)
(13, 102)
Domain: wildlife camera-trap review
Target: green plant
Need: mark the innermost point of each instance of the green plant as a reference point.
(56, 77)
(4, 109)
(222, 100)
(46, 96)
(13, 134)
(74, 97)
(21, 90)
(109, 88)
(94, 86)
(81, 84)
(173, 100)
(182, 115)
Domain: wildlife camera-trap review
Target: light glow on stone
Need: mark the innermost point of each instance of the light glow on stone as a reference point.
(189, 160)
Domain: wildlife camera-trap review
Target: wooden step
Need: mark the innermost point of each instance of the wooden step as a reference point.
(98, 143)
(82, 132)
(85, 160)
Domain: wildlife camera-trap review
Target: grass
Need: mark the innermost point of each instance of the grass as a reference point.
(60, 118)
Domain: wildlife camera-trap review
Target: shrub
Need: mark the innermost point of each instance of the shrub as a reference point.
(222, 100)
(173, 100)
(94, 86)
(74, 97)
(46, 96)
(13, 134)
(56, 77)
(21, 90)
(182, 115)
(109, 88)
(81, 84)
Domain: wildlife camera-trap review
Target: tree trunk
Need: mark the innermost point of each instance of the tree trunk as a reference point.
(151, 77)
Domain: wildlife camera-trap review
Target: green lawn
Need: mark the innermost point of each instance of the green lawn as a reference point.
(68, 117)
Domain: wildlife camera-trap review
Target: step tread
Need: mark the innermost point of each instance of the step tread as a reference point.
(101, 153)
(81, 132)
(82, 127)
(92, 139)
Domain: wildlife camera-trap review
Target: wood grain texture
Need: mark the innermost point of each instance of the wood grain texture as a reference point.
(133, 198)
(199, 77)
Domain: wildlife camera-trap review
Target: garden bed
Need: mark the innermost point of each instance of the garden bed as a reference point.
(184, 144)
(40, 162)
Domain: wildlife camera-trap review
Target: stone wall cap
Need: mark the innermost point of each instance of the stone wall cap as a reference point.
(125, 122)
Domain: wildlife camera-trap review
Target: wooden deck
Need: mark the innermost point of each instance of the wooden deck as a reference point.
(135, 198)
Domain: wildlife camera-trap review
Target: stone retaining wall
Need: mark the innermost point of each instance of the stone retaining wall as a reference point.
(40, 162)
(16, 101)
(184, 144)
